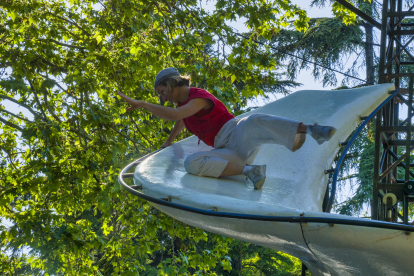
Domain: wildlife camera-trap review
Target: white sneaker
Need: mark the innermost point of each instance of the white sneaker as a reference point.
(321, 133)
(257, 175)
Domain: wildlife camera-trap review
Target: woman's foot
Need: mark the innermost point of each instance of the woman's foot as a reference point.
(321, 133)
(257, 174)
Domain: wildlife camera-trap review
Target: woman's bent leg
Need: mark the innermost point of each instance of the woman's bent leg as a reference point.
(213, 163)
(232, 169)
(258, 129)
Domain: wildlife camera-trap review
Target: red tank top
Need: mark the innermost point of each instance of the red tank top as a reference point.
(205, 124)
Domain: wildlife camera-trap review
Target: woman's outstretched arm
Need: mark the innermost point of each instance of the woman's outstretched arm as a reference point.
(167, 113)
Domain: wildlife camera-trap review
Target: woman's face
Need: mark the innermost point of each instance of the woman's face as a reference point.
(161, 91)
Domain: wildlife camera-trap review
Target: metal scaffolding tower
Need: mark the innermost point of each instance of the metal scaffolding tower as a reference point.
(393, 185)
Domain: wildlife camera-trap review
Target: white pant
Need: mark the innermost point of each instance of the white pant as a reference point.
(239, 141)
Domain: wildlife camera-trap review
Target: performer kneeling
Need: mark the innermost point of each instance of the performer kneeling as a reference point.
(236, 142)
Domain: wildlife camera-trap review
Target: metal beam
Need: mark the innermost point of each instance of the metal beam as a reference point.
(383, 43)
(394, 129)
(404, 32)
(402, 13)
(394, 165)
(360, 13)
(399, 52)
(400, 142)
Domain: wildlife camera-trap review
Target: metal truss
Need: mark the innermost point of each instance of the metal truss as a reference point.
(393, 185)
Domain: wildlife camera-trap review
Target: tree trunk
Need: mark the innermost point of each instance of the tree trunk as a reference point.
(369, 55)
(369, 52)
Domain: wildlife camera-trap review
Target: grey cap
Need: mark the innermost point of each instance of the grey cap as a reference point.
(165, 74)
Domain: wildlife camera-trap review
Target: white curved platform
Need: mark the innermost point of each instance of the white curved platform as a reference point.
(295, 186)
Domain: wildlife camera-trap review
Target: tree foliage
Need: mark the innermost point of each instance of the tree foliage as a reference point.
(63, 145)
(328, 42)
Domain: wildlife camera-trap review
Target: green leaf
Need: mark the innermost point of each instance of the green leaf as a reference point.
(61, 230)
(134, 50)
(48, 83)
(12, 15)
(98, 38)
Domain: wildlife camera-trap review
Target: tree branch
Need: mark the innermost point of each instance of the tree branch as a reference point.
(54, 65)
(166, 21)
(137, 127)
(63, 44)
(79, 133)
(7, 123)
(126, 137)
(71, 22)
(360, 13)
(5, 65)
(351, 155)
(21, 104)
(49, 108)
(37, 99)
(63, 89)
(10, 189)
(72, 34)
(251, 265)
(346, 177)
(14, 115)
(356, 42)
(81, 113)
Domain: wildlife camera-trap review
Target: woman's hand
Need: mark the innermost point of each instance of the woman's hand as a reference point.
(166, 144)
(135, 104)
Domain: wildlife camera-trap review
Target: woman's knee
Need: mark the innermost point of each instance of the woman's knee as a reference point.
(194, 163)
(256, 118)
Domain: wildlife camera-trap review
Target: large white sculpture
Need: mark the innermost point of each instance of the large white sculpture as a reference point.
(295, 187)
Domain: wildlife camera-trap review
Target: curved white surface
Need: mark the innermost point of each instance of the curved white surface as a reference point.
(295, 184)
(340, 250)
(295, 180)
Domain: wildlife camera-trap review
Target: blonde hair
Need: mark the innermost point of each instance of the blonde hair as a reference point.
(176, 81)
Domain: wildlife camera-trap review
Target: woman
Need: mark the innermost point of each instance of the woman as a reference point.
(236, 142)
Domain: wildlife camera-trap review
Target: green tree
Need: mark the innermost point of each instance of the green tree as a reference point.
(62, 63)
(330, 42)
